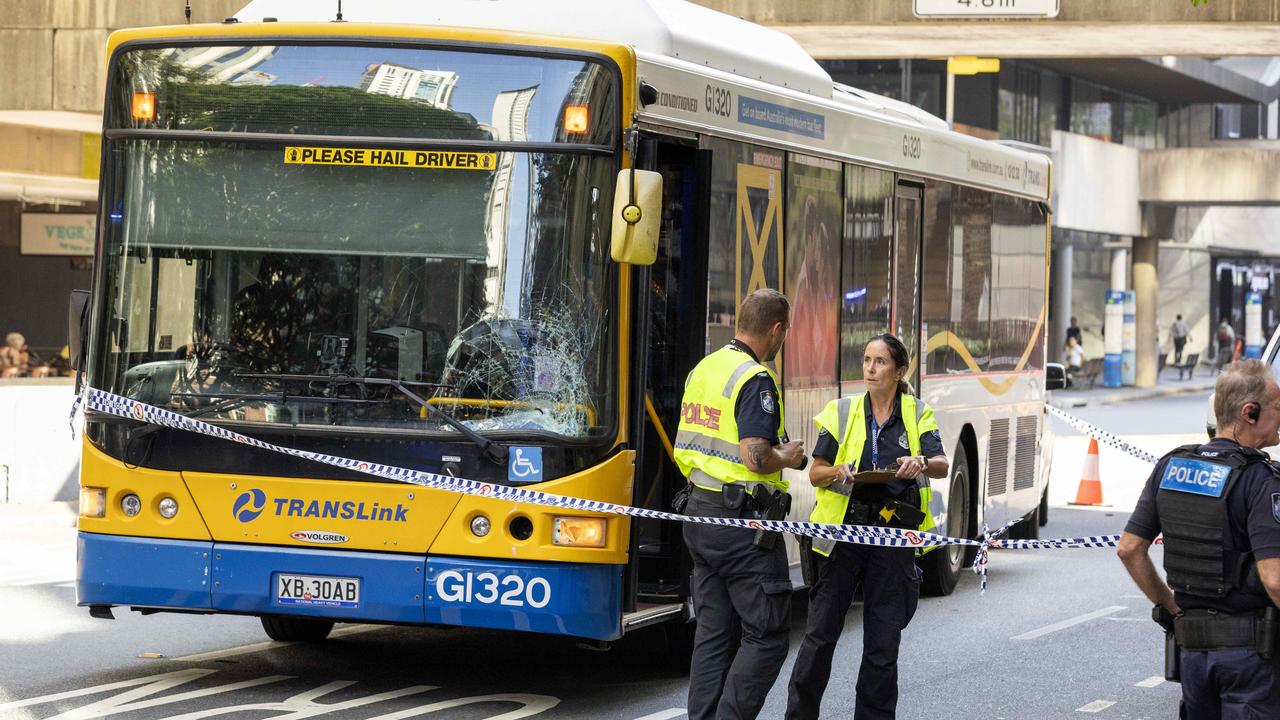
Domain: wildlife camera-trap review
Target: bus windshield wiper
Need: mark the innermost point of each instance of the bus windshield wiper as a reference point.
(494, 451)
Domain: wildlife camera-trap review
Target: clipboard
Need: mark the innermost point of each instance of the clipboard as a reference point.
(866, 477)
(875, 477)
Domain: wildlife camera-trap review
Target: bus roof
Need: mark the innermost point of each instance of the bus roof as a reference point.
(670, 28)
(718, 73)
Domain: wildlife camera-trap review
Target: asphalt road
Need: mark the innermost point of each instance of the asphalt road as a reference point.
(1058, 634)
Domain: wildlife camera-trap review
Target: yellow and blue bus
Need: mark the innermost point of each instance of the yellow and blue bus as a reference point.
(392, 235)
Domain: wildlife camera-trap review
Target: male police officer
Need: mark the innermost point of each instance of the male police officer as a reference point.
(730, 445)
(1218, 505)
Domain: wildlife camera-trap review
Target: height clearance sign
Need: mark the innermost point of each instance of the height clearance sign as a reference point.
(377, 157)
(986, 8)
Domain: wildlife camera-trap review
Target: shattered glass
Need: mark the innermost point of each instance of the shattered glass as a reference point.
(506, 373)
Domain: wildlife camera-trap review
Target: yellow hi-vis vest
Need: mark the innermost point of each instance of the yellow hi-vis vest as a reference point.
(706, 447)
(845, 419)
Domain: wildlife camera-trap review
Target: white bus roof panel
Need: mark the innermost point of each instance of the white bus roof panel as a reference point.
(671, 28)
(853, 125)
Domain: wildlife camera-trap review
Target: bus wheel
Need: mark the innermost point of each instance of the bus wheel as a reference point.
(296, 629)
(942, 567)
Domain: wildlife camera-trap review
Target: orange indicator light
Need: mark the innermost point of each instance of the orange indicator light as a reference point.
(576, 119)
(144, 106)
(579, 532)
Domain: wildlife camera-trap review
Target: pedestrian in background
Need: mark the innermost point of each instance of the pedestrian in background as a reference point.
(1073, 358)
(1226, 338)
(885, 427)
(14, 356)
(1218, 507)
(732, 447)
(1074, 332)
(1181, 334)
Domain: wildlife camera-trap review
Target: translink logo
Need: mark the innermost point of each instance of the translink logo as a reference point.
(251, 503)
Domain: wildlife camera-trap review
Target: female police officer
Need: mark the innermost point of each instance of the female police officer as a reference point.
(886, 427)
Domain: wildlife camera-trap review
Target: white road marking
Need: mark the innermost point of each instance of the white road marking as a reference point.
(268, 645)
(666, 714)
(529, 705)
(152, 691)
(1150, 682)
(129, 702)
(1096, 706)
(162, 682)
(1033, 634)
(305, 704)
(142, 687)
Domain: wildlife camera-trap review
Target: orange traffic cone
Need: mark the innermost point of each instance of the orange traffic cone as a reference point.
(1089, 491)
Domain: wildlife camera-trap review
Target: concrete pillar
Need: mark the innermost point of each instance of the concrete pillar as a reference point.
(1119, 269)
(1060, 292)
(1146, 286)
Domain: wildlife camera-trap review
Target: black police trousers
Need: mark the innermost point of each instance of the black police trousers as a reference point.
(1229, 684)
(742, 599)
(891, 589)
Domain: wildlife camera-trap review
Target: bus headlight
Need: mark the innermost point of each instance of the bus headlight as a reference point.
(93, 502)
(168, 508)
(480, 526)
(130, 505)
(579, 532)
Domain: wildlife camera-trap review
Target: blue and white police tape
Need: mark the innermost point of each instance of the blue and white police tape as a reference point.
(1101, 435)
(112, 404)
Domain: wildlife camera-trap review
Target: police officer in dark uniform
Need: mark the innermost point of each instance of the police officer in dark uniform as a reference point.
(732, 447)
(885, 428)
(1218, 505)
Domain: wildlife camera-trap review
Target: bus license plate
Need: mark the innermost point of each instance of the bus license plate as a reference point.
(316, 591)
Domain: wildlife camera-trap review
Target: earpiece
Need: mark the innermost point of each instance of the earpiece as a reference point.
(1254, 411)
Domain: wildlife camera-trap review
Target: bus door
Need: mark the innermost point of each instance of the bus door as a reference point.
(908, 237)
(670, 338)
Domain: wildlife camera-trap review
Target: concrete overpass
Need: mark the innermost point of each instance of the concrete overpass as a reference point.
(1235, 172)
(870, 29)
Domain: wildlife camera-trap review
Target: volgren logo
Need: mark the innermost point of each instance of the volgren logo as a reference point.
(249, 505)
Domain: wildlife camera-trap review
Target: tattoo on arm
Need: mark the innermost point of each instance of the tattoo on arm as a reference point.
(759, 450)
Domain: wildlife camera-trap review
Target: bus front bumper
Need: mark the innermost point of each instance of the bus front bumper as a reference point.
(581, 600)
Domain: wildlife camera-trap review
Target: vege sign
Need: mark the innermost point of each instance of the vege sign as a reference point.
(252, 503)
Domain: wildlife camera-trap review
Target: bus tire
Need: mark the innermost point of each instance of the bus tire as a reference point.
(942, 567)
(1044, 507)
(296, 629)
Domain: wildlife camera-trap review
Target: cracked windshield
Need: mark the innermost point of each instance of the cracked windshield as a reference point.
(288, 267)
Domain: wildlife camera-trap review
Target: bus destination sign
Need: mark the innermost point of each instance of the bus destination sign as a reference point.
(986, 8)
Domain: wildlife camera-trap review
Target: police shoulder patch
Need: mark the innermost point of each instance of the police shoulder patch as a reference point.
(767, 402)
(1275, 506)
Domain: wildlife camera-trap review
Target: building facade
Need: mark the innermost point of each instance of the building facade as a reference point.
(50, 129)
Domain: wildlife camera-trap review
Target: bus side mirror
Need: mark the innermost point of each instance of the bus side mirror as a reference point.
(637, 217)
(77, 332)
(1055, 376)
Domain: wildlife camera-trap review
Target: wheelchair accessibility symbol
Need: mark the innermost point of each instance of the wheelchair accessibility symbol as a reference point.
(524, 464)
